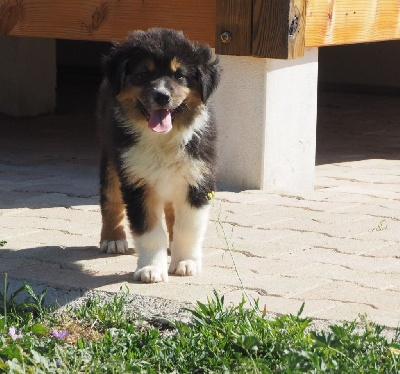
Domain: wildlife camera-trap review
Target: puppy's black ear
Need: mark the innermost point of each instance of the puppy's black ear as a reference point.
(114, 67)
(208, 71)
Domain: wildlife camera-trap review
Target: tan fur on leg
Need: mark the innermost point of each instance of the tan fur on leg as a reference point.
(170, 220)
(113, 237)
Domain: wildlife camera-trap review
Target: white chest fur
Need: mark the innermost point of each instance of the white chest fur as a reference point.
(162, 161)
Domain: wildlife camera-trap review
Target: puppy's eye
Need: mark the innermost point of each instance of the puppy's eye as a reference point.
(178, 75)
(143, 74)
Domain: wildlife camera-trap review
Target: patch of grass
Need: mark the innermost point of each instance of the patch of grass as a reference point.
(109, 314)
(2, 243)
(101, 337)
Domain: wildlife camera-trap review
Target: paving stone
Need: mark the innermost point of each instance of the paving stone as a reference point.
(387, 251)
(50, 238)
(278, 305)
(12, 233)
(371, 279)
(299, 242)
(353, 293)
(49, 223)
(336, 248)
(55, 276)
(352, 311)
(7, 264)
(354, 262)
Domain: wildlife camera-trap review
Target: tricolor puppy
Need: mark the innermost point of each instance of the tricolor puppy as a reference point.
(158, 139)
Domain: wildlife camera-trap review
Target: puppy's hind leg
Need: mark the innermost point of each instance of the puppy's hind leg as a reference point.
(170, 221)
(113, 237)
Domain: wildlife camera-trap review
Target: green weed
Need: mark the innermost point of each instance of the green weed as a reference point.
(219, 339)
(228, 245)
(381, 226)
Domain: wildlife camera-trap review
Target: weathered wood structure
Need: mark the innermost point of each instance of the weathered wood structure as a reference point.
(287, 30)
(262, 28)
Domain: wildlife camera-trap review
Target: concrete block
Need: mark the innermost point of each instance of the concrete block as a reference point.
(290, 123)
(240, 108)
(267, 119)
(27, 76)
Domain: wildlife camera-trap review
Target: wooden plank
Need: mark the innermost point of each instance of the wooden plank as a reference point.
(278, 28)
(234, 17)
(333, 22)
(269, 32)
(106, 20)
(329, 22)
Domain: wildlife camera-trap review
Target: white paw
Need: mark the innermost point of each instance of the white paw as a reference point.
(151, 274)
(114, 246)
(188, 267)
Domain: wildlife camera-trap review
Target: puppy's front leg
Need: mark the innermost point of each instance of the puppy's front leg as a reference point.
(144, 212)
(189, 230)
(152, 250)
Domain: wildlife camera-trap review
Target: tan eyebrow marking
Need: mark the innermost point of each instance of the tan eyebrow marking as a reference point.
(175, 65)
(150, 65)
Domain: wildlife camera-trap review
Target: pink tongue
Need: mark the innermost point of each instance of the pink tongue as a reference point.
(160, 120)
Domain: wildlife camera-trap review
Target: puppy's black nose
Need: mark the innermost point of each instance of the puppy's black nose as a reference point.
(162, 98)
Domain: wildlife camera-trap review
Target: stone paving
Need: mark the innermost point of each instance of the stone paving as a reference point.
(336, 248)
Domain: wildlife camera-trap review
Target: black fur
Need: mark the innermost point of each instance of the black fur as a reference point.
(103, 179)
(135, 210)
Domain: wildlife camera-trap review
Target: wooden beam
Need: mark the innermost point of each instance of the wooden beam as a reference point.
(278, 28)
(329, 22)
(336, 22)
(233, 27)
(106, 20)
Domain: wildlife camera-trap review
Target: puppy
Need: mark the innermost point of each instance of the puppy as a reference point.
(158, 139)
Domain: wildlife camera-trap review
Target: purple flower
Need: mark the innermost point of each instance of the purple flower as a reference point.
(58, 363)
(13, 334)
(59, 334)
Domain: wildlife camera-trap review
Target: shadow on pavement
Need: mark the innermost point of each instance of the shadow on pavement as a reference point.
(66, 272)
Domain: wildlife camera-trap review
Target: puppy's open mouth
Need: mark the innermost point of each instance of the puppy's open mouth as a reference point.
(160, 120)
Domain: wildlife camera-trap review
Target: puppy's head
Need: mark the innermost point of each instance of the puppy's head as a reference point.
(161, 78)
